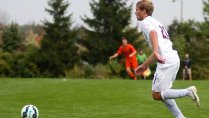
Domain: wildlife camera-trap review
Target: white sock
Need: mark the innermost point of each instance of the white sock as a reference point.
(174, 93)
(172, 106)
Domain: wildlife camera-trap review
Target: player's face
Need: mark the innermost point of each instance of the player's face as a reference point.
(139, 14)
(186, 56)
(124, 42)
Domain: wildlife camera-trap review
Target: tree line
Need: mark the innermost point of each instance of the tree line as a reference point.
(55, 49)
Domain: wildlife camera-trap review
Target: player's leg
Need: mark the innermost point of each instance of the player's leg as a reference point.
(189, 71)
(172, 106)
(134, 65)
(163, 82)
(179, 93)
(184, 74)
(128, 70)
(142, 75)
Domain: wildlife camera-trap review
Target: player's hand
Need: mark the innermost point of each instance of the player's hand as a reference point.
(139, 70)
(160, 59)
(110, 58)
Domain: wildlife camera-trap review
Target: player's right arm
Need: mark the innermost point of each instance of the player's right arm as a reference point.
(154, 40)
(154, 55)
(113, 56)
(116, 54)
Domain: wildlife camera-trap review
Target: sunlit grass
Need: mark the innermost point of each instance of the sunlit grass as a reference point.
(81, 98)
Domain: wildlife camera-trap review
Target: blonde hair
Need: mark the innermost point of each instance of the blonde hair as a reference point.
(146, 5)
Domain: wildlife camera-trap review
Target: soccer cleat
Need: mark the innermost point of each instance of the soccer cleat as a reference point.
(134, 78)
(193, 95)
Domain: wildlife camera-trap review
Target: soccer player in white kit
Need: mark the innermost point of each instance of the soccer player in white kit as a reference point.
(168, 61)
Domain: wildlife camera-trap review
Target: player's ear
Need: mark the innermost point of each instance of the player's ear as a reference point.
(144, 11)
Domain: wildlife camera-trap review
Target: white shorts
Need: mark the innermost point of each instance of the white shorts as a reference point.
(164, 77)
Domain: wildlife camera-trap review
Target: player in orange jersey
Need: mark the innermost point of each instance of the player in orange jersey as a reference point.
(129, 53)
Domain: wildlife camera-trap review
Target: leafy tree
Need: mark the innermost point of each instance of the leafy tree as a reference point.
(37, 28)
(186, 31)
(206, 10)
(110, 22)
(12, 39)
(1, 33)
(5, 63)
(192, 37)
(202, 44)
(30, 39)
(58, 50)
(204, 27)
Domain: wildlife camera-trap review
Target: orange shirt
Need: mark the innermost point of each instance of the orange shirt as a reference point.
(126, 51)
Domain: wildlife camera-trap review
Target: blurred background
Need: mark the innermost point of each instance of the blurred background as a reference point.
(74, 39)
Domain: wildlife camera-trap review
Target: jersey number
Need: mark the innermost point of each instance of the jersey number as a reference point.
(164, 32)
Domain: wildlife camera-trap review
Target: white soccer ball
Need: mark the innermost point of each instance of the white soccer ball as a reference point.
(29, 111)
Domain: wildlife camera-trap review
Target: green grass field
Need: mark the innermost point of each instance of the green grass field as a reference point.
(81, 98)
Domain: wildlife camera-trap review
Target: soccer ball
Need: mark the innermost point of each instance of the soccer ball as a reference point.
(29, 111)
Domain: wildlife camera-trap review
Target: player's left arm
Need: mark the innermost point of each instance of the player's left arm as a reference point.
(133, 51)
(132, 54)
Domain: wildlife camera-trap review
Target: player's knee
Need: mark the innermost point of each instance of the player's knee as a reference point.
(156, 96)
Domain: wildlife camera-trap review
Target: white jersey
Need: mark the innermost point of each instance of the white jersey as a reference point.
(164, 44)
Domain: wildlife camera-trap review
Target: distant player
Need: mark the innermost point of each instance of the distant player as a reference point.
(187, 62)
(168, 60)
(141, 57)
(129, 53)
